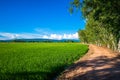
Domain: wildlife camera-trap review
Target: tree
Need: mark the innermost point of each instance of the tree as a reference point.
(103, 21)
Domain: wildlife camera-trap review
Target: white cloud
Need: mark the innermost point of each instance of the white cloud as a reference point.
(55, 36)
(4, 36)
(42, 30)
(7, 36)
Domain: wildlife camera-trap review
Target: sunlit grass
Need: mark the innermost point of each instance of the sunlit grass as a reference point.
(37, 61)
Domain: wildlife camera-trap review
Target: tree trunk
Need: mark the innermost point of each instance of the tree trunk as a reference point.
(119, 45)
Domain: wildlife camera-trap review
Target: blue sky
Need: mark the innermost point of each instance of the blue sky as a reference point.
(38, 19)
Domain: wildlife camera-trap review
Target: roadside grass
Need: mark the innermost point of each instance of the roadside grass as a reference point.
(37, 61)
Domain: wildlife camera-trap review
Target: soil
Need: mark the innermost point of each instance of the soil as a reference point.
(99, 63)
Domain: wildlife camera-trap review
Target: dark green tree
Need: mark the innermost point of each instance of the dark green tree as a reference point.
(103, 21)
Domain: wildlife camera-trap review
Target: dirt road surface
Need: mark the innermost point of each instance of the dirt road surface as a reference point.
(99, 63)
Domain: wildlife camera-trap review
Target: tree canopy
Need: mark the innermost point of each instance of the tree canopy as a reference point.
(102, 21)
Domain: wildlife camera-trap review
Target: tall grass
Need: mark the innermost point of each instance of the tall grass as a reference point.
(37, 61)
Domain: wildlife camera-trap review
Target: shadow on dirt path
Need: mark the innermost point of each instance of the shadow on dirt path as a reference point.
(98, 64)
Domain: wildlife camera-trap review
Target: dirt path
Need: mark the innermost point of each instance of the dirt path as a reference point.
(98, 64)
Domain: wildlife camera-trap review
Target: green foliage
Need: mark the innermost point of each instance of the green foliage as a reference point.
(37, 61)
(103, 22)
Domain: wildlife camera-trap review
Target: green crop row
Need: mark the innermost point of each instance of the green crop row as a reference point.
(37, 61)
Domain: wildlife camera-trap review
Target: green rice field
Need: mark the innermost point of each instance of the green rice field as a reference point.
(37, 61)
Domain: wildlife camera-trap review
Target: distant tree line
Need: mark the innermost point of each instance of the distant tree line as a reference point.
(45, 41)
(30, 41)
(102, 22)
